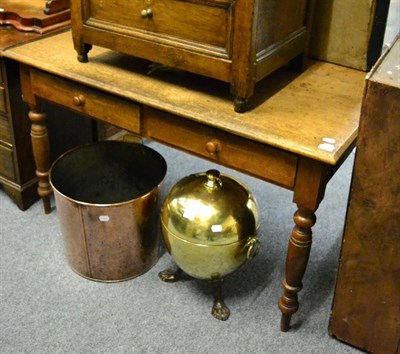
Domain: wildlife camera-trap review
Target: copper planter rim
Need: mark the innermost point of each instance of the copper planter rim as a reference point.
(104, 205)
(107, 205)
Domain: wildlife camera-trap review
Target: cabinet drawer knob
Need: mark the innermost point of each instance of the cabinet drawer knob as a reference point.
(79, 100)
(146, 13)
(213, 147)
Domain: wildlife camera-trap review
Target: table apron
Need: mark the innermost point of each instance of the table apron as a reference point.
(86, 100)
(222, 147)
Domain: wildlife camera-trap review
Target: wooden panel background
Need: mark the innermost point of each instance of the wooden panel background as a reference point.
(349, 32)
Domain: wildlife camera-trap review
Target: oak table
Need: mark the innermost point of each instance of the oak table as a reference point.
(300, 130)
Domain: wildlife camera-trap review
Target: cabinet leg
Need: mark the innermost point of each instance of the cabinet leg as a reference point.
(40, 147)
(83, 51)
(296, 264)
(240, 104)
(298, 64)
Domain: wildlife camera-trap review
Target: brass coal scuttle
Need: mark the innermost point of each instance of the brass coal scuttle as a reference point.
(209, 223)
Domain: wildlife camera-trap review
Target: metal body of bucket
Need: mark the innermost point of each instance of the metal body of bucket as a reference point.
(106, 196)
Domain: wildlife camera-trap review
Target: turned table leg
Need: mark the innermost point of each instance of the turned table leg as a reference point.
(40, 147)
(296, 264)
(311, 179)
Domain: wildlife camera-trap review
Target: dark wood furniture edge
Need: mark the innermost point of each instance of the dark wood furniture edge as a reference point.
(60, 20)
(53, 6)
(365, 305)
(24, 196)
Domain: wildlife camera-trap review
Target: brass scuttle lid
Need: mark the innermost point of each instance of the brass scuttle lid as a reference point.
(210, 209)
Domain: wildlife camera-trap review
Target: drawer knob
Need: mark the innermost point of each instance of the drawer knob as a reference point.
(146, 13)
(213, 147)
(79, 100)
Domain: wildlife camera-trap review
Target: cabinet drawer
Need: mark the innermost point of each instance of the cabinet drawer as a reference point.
(6, 163)
(5, 133)
(221, 147)
(208, 22)
(92, 102)
(2, 99)
(1, 71)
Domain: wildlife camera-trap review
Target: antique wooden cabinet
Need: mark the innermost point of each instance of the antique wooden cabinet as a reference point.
(366, 306)
(239, 42)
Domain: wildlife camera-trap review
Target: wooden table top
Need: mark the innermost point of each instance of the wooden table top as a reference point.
(314, 114)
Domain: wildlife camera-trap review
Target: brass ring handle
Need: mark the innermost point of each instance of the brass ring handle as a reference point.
(213, 147)
(250, 244)
(79, 100)
(146, 13)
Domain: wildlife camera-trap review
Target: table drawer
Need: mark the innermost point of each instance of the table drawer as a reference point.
(227, 149)
(3, 99)
(202, 22)
(2, 76)
(92, 102)
(6, 163)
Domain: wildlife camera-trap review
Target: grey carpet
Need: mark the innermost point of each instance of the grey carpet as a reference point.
(47, 308)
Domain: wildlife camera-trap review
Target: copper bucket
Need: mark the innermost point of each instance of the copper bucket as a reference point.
(106, 197)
